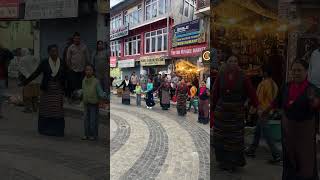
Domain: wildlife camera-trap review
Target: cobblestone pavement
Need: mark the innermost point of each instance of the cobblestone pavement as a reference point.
(156, 144)
(26, 155)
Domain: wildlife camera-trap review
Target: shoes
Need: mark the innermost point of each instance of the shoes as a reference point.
(85, 138)
(250, 152)
(92, 138)
(275, 160)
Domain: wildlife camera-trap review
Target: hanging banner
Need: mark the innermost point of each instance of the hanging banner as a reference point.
(189, 51)
(126, 63)
(51, 9)
(188, 33)
(113, 62)
(9, 9)
(152, 61)
(120, 32)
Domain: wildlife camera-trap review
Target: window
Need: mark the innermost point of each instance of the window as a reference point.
(156, 41)
(188, 8)
(115, 48)
(132, 46)
(134, 17)
(116, 22)
(155, 8)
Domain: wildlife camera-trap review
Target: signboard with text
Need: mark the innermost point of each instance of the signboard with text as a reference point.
(189, 51)
(126, 63)
(51, 9)
(120, 32)
(188, 33)
(152, 61)
(113, 62)
(9, 9)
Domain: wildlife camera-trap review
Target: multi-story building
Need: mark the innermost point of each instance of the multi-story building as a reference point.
(141, 33)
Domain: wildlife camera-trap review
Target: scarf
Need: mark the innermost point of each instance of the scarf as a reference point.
(202, 90)
(54, 66)
(296, 90)
(127, 82)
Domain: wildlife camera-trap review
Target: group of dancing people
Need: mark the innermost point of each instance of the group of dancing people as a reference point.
(298, 100)
(183, 93)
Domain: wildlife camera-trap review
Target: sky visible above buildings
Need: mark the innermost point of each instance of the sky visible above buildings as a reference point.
(115, 2)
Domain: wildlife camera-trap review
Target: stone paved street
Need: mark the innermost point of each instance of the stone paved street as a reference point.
(156, 144)
(26, 155)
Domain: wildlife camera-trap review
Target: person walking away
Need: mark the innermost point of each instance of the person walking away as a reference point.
(150, 100)
(5, 57)
(133, 80)
(126, 92)
(300, 102)
(31, 92)
(138, 91)
(92, 93)
(193, 98)
(51, 113)
(181, 94)
(231, 90)
(267, 92)
(77, 57)
(204, 95)
(164, 90)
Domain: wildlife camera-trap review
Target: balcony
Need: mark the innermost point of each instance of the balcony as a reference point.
(203, 8)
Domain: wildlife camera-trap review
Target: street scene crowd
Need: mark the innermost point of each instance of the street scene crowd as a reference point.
(62, 77)
(169, 88)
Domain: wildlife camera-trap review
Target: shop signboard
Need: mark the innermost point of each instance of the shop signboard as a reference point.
(120, 32)
(190, 51)
(51, 9)
(126, 63)
(152, 61)
(9, 9)
(188, 33)
(113, 62)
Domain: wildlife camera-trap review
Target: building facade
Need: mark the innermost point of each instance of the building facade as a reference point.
(142, 34)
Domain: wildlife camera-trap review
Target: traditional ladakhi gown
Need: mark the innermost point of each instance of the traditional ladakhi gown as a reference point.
(231, 90)
(182, 95)
(299, 131)
(126, 92)
(165, 95)
(203, 106)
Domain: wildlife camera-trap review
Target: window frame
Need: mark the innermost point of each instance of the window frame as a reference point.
(129, 50)
(115, 47)
(153, 37)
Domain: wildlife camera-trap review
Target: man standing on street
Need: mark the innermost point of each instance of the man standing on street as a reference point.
(77, 58)
(5, 57)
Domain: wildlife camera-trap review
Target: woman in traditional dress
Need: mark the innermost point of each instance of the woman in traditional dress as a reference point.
(100, 65)
(150, 100)
(51, 115)
(182, 95)
(27, 65)
(300, 103)
(164, 91)
(126, 91)
(231, 90)
(204, 95)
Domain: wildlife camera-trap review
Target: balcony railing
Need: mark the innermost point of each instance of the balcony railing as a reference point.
(201, 4)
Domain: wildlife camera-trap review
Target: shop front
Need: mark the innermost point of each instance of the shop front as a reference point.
(254, 34)
(115, 71)
(127, 67)
(188, 42)
(152, 65)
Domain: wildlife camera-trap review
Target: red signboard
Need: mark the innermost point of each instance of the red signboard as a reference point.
(188, 51)
(9, 9)
(113, 62)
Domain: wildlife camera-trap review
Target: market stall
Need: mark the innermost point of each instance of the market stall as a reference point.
(250, 31)
(187, 70)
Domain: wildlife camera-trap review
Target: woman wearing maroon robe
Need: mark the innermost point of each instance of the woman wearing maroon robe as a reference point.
(230, 92)
(299, 103)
